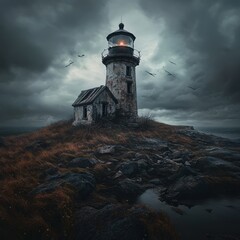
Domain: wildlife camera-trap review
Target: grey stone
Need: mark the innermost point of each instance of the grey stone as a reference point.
(82, 162)
(142, 164)
(107, 149)
(84, 183)
(188, 187)
(155, 181)
(210, 164)
(223, 153)
(128, 189)
(129, 169)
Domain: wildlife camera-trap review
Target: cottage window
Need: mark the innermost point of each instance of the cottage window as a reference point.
(104, 109)
(84, 112)
(128, 71)
(129, 87)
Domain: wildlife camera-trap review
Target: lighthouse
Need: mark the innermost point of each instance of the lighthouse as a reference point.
(118, 98)
(121, 60)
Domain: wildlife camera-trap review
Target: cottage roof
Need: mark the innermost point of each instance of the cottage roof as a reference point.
(88, 96)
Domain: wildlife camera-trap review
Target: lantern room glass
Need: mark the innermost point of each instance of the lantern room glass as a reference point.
(121, 40)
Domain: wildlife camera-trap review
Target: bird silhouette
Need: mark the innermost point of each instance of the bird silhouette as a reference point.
(70, 62)
(194, 89)
(81, 55)
(152, 74)
(173, 62)
(169, 74)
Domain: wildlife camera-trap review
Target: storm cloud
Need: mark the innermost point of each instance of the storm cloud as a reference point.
(39, 38)
(203, 37)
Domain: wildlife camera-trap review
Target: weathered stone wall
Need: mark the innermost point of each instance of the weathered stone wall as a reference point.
(78, 115)
(116, 81)
(95, 110)
(103, 98)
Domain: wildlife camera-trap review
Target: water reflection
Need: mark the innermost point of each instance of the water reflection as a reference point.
(215, 217)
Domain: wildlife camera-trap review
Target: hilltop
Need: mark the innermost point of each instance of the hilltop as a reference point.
(64, 182)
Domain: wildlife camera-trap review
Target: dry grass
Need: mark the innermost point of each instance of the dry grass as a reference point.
(24, 159)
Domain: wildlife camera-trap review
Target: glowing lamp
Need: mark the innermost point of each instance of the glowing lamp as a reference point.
(121, 43)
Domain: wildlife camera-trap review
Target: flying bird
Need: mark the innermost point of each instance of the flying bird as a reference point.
(173, 62)
(169, 74)
(71, 62)
(194, 89)
(152, 74)
(81, 55)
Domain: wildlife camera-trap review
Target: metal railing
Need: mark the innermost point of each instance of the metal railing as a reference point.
(136, 53)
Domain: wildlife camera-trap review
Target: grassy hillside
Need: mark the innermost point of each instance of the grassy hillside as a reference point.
(25, 158)
(30, 160)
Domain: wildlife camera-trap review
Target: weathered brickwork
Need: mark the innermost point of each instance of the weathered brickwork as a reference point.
(123, 86)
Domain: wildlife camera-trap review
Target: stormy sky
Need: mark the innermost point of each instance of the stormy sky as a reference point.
(39, 37)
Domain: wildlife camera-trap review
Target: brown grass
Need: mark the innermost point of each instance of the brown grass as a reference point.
(49, 216)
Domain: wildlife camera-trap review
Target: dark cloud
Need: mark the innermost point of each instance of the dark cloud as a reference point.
(38, 35)
(205, 37)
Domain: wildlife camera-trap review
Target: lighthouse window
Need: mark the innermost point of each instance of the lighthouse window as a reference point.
(128, 71)
(129, 87)
(121, 40)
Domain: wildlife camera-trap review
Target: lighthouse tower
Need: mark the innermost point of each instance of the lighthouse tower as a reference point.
(121, 60)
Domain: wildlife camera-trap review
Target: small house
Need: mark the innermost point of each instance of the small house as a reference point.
(93, 104)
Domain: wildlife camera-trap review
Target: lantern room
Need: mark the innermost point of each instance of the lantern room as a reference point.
(121, 38)
(120, 43)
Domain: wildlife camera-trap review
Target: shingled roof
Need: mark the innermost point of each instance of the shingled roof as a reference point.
(88, 96)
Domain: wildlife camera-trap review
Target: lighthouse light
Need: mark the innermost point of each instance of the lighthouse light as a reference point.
(121, 43)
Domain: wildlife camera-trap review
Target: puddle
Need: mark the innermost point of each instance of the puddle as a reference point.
(215, 217)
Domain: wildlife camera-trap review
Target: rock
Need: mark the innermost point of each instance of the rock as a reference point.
(118, 222)
(155, 181)
(211, 164)
(107, 149)
(118, 174)
(183, 172)
(129, 169)
(49, 172)
(142, 164)
(188, 187)
(139, 156)
(178, 210)
(84, 183)
(82, 162)
(128, 189)
(185, 156)
(223, 153)
(187, 163)
(178, 160)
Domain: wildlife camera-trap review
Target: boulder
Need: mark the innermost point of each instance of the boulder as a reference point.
(188, 187)
(83, 183)
(82, 162)
(128, 189)
(49, 172)
(129, 169)
(212, 164)
(223, 153)
(155, 181)
(118, 222)
(106, 149)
